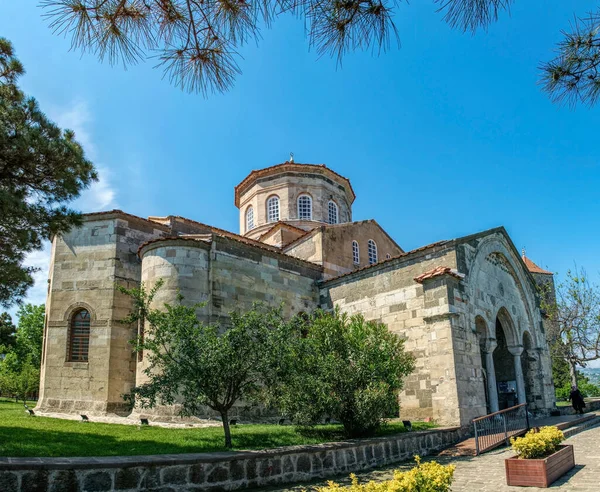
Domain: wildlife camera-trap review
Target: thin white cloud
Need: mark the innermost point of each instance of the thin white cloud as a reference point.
(100, 196)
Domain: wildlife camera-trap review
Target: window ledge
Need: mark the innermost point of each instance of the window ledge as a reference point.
(77, 364)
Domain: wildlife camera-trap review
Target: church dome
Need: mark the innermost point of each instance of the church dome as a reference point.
(304, 196)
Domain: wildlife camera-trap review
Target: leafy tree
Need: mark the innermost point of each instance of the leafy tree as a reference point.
(30, 333)
(561, 378)
(20, 367)
(197, 42)
(199, 365)
(342, 367)
(7, 332)
(574, 331)
(21, 383)
(41, 169)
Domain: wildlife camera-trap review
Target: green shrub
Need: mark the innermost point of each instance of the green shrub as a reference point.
(425, 477)
(342, 367)
(537, 443)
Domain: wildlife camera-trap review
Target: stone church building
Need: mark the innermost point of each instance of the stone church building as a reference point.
(468, 307)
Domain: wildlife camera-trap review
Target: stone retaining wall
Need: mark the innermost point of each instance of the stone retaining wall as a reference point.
(218, 471)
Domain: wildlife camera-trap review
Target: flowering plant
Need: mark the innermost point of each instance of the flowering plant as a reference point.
(537, 443)
(425, 477)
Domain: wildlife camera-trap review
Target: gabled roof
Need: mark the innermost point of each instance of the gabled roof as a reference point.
(324, 227)
(532, 267)
(282, 225)
(452, 242)
(293, 167)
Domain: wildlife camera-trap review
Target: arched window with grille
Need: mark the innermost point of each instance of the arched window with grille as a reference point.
(332, 212)
(305, 207)
(273, 209)
(355, 253)
(79, 336)
(249, 218)
(372, 252)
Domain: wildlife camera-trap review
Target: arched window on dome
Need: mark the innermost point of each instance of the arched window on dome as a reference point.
(273, 209)
(305, 207)
(332, 212)
(249, 218)
(355, 253)
(79, 336)
(372, 252)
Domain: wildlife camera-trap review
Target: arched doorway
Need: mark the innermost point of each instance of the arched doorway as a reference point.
(505, 370)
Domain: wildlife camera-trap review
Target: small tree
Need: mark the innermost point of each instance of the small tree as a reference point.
(574, 333)
(200, 365)
(343, 367)
(30, 333)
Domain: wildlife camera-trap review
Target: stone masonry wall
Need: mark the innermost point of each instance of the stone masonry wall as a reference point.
(86, 265)
(388, 293)
(225, 275)
(218, 471)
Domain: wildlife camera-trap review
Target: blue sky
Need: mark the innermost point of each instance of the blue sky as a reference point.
(445, 136)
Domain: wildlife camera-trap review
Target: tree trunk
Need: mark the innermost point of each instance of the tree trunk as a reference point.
(573, 372)
(226, 429)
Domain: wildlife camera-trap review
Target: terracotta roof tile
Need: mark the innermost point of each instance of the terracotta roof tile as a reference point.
(438, 271)
(533, 268)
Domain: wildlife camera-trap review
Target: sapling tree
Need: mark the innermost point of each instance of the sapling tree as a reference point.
(574, 331)
(201, 365)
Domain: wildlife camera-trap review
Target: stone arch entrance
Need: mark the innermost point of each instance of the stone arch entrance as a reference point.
(508, 365)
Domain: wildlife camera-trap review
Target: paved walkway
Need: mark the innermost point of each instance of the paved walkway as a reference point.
(486, 473)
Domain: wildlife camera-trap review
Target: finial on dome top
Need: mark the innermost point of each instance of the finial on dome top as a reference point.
(523, 252)
(291, 157)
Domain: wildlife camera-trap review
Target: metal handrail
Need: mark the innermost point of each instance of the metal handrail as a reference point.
(495, 428)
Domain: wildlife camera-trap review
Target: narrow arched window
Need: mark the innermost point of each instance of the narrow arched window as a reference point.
(79, 336)
(372, 252)
(388, 256)
(332, 210)
(355, 253)
(305, 207)
(273, 209)
(249, 218)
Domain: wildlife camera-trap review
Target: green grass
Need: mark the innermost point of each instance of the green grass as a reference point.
(22, 435)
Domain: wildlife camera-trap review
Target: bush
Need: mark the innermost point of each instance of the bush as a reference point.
(342, 367)
(425, 477)
(537, 443)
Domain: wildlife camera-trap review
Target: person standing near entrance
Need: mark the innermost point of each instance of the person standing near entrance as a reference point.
(577, 400)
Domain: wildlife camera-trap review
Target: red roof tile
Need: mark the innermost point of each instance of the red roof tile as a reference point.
(438, 272)
(533, 268)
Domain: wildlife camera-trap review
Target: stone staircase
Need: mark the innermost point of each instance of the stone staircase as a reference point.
(569, 428)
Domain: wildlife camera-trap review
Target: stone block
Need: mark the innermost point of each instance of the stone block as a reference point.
(127, 478)
(303, 464)
(220, 473)
(8, 480)
(35, 481)
(97, 481)
(175, 475)
(237, 470)
(64, 481)
(198, 473)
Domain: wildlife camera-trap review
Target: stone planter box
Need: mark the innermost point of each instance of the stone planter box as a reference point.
(539, 472)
